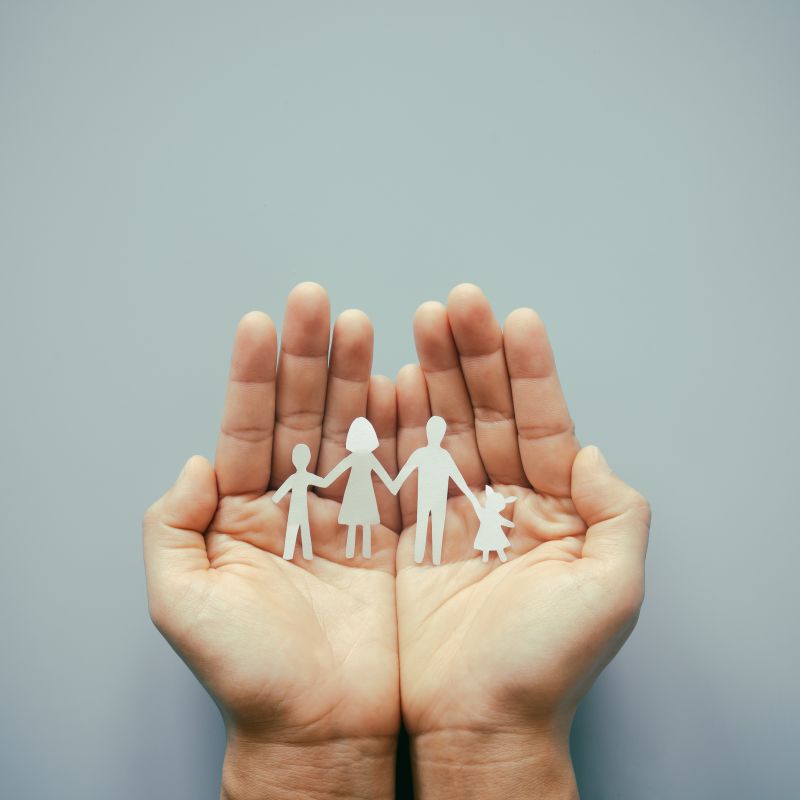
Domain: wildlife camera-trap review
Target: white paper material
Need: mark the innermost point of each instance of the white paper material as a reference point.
(490, 536)
(297, 483)
(435, 469)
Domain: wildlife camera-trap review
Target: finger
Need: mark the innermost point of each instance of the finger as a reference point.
(348, 387)
(617, 515)
(479, 340)
(174, 525)
(302, 378)
(448, 394)
(244, 449)
(382, 413)
(545, 431)
(413, 413)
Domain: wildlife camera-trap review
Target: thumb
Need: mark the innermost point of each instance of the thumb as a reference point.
(174, 525)
(617, 516)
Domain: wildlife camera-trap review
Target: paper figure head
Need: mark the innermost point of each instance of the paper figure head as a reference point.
(361, 437)
(496, 501)
(301, 456)
(435, 430)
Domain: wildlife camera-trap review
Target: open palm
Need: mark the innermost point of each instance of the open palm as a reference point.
(490, 646)
(300, 650)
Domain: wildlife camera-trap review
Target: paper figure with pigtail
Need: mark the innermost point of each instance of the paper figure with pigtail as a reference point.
(435, 469)
(490, 536)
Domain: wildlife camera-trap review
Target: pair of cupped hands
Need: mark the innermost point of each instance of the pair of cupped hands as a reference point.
(315, 663)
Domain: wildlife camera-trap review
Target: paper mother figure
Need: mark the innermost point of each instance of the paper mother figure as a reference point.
(359, 506)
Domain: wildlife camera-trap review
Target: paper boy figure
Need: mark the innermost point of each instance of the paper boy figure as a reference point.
(297, 483)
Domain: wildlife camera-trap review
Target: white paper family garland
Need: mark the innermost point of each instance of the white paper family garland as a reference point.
(435, 469)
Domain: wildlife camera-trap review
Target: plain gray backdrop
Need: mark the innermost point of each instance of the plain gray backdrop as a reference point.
(629, 170)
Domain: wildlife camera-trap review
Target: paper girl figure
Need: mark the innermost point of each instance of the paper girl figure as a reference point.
(490, 534)
(359, 506)
(297, 483)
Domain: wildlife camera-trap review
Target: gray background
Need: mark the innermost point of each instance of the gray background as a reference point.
(630, 170)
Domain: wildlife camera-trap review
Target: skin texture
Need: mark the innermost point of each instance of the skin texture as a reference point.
(495, 657)
(308, 660)
(301, 656)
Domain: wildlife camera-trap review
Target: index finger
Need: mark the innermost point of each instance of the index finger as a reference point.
(546, 434)
(244, 449)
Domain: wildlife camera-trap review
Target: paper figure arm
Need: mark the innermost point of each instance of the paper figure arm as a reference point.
(507, 523)
(282, 490)
(381, 472)
(333, 474)
(408, 468)
(458, 480)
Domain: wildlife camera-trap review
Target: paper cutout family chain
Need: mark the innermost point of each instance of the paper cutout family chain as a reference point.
(435, 468)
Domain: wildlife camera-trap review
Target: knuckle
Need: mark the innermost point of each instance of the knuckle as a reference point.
(641, 505)
(151, 515)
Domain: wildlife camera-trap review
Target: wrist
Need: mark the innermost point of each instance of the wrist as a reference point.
(357, 767)
(489, 764)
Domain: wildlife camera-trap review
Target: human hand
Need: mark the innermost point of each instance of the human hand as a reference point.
(494, 657)
(300, 656)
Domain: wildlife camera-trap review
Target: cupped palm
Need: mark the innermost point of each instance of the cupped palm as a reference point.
(486, 646)
(301, 650)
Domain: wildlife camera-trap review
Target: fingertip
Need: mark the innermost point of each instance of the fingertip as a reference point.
(355, 324)
(429, 313)
(381, 390)
(527, 346)
(193, 499)
(381, 384)
(465, 294)
(523, 318)
(197, 464)
(198, 471)
(306, 323)
(408, 375)
(352, 346)
(309, 298)
(472, 320)
(433, 338)
(309, 290)
(256, 328)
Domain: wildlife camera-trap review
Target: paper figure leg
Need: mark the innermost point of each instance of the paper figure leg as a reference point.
(501, 555)
(437, 533)
(421, 535)
(290, 541)
(350, 547)
(305, 537)
(366, 541)
(485, 555)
